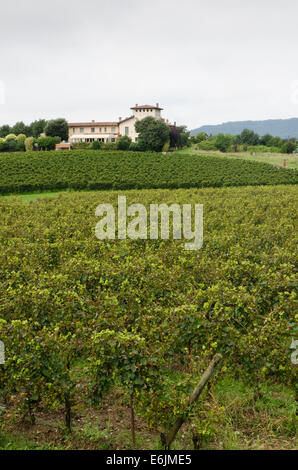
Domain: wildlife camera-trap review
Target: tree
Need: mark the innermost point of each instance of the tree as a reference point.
(179, 136)
(289, 146)
(19, 128)
(174, 136)
(153, 133)
(57, 128)
(223, 142)
(200, 137)
(183, 140)
(267, 140)
(5, 130)
(37, 128)
(249, 137)
(123, 142)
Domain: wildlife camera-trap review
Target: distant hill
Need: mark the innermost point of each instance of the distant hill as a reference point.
(283, 128)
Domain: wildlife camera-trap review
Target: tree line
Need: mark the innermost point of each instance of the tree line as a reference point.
(54, 128)
(154, 135)
(242, 142)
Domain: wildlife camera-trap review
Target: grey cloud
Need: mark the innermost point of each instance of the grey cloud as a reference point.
(204, 62)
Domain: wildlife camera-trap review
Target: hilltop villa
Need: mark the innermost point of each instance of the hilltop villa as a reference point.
(109, 131)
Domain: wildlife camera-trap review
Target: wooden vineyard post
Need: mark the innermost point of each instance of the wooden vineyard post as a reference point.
(170, 436)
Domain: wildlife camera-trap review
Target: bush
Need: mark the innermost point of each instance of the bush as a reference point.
(2, 145)
(96, 145)
(11, 144)
(166, 146)
(48, 143)
(123, 143)
(109, 146)
(29, 144)
(289, 147)
(82, 145)
(207, 145)
(10, 136)
(223, 142)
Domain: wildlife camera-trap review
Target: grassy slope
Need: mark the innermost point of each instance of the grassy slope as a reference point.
(272, 158)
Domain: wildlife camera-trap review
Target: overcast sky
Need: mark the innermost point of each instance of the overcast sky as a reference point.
(204, 62)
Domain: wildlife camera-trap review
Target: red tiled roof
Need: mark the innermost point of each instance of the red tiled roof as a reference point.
(91, 124)
(126, 119)
(146, 106)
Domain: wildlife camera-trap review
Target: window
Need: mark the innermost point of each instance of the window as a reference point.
(92, 129)
(99, 129)
(105, 129)
(112, 139)
(113, 129)
(73, 130)
(82, 130)
(126, 130)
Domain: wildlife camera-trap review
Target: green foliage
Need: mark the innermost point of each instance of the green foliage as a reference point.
(249, 137)
(247, 141)
(223, 142)
(208, 145)
(121, 357)
(111, 170)
(82, 145)
(29, 141)
(96, 145)
(200, 137)
(125, 309)
(5, 130)
(10, 143)
(123, 142)
(57, 127)
(19, 128)
(153, 133)
(37, 128)
(179, 137)
(11, 136)
(166, 146)
(109, 146)
(47, 143)
(183, 137)
(289, 147)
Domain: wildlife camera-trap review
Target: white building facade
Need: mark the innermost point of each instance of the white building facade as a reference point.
(109, 131)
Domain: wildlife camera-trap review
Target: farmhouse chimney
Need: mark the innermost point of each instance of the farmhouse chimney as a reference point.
(120, 118)
(93, 120)
(136, 105)
(175, 123)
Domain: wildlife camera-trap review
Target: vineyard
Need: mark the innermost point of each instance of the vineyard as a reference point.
(101, 333)
(99, 170)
